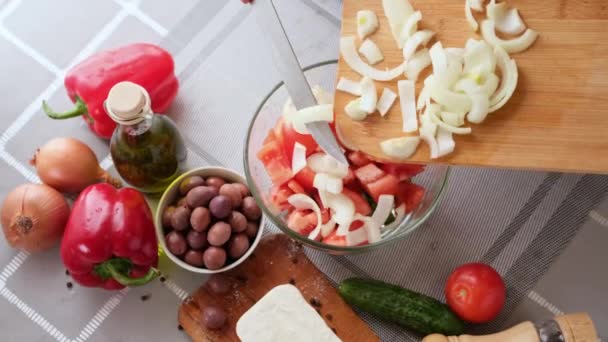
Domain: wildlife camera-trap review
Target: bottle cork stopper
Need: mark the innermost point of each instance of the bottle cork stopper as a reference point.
(127, 103)
(577, 327)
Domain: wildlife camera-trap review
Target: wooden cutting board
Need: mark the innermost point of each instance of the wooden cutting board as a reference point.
(556, 120)
(277, 260)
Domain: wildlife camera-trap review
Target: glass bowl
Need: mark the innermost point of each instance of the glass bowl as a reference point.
(433, 179)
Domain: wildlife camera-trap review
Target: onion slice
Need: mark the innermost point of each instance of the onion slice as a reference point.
(508, 69)
(369, 97)
(424, 98)
(328, 227)
(400, 148)
(480, 107)
(514, 45)
(452, 101)
(299, 119)
(469, 15)
(407, 98)
(367, 23)
(382, 212)
(349, 86)
(343, 210)
(410, 27)
(386, 101)
(371, 52)
(450, 128)
(414, 66)
(357, 237)
(354, 111)
(427, 125)
(479, 58)
(432, 142)
(348, 51)
(298, 160)
(324, 163)
(419, 38)
(445, 142)
(507, 19)
(399, 215)
(329, 183)
(301, 201)
(468, 85)
(397, 12)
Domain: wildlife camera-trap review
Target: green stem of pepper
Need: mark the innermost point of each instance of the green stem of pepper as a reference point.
(119, 269)
(80, 108)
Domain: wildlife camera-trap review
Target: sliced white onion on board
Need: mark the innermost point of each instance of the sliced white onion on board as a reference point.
(469, 85)
(432, 142)
(452, 101)
(369, 96)
(328, 227)
(427, 125)
(450, 128)
(329, 183)
(480, 107)
(507, 20)
(298, 160)
(400, 148)
(382, 212)
(407, 98)
(349, 86)
(445, 143)
(514, 45)
(479, 58)
(367, 23)
(477, 5)
(469, 16)
(438, 58)
(445, 71)
(348, 50)
(354, 111)
(301, 201)
(419, 61)
(397, 12)
(452, 119)
(410, 26)
(424, 98)
(357, 237)
(324, 163)
(290, 112)
(371, 52)
(399, 215)
(386, 100)
(455, 55)
(419, 38)
(510, 75)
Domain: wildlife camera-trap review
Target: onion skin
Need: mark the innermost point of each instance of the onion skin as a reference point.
(34, 217)
(69, 166)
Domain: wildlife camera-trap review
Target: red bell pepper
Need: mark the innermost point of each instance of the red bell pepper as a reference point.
(110, 240)
(89, 83)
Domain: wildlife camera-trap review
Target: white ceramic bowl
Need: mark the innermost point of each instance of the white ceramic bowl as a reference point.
(171, 195)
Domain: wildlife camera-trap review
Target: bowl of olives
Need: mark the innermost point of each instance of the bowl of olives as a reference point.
(207, 221)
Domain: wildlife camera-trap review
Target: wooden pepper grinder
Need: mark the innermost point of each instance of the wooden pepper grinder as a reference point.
(576, 327)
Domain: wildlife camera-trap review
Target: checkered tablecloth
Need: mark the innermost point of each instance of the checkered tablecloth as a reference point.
(546, 233)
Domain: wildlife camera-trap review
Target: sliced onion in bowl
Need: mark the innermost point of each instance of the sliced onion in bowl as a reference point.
(324, 163)
(298, 160)
(399, 215)
(382, 212)
(301, 201)
(348, 51)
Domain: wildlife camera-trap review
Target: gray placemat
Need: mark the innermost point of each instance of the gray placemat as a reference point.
(545, 233)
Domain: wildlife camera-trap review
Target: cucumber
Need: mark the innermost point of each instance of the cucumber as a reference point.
(410, 309)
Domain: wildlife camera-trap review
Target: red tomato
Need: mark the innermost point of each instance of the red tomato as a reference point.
(369, 173)
(302, 222)
(475, 292)
(358, 158)
(295, 187)
(279, 196)
(275, 162)
(411, 194)
(403, 171)
(306, 178)
(290, 137)
(334, 239)
(361, 205)
(387, 185)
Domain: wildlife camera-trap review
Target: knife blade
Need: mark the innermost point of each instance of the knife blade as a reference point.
(291, 72)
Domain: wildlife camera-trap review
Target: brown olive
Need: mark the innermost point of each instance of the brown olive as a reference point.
(238, 245)
(194, 258)
(200, 196)
(189, 183)
(200, 219)
(214, 258)
(220, 206)
(242, 188)
(182, 202)
(196, 240)
(219, 284)
(237, 221)
(167, 215)
(218, 234)
(233, 193)
(215, 182)
(250, 209)
(252, 230)
(176, 244)
(213, 317)
(181, 218)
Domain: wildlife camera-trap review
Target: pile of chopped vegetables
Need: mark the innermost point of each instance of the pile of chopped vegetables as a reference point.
(324, 200)
(466, 85)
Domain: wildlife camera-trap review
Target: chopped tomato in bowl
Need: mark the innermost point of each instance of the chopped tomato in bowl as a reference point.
(321, 203)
